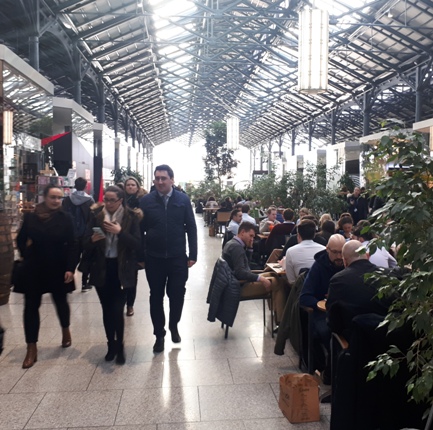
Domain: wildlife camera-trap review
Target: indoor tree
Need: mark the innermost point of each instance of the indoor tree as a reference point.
(406, 220)
(219, 160)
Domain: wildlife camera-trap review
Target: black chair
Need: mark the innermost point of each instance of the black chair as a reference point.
(228, 235)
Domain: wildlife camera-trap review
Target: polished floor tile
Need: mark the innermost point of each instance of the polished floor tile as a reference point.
(76, 409)
(159, 405)
(205, 382)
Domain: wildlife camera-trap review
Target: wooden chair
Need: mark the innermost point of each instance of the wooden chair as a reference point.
(222, 218)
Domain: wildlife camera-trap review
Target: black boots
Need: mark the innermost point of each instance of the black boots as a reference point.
(31, 356)
(66, 338)
(159, 344)
(115, 350)
(175, 336)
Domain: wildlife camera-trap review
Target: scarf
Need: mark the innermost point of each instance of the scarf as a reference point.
(112, 239)
(44, 213)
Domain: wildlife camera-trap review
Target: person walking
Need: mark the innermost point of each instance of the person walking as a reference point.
(78, 206)
(168, 216)
(111, 250)
(134, 193)
(48, 246)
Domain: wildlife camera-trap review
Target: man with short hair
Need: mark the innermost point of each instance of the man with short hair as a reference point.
(168, 217)
(235, 253)
(235, 220)
(357, 205)
(246, 214)
(301, 256)
(78, 206)
(350, 294)
(270, 220)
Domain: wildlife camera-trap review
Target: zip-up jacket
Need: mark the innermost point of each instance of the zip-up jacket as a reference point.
(165, 228)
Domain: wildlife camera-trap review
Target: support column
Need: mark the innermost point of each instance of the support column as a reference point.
(76, 55)
(293, 141)
(101, 101)
(310, 135)
(367, 100)
(34, 52)
(269, 157)
(419, 90)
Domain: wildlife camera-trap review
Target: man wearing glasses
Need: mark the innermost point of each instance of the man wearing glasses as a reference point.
(327, 263)
(168, 216)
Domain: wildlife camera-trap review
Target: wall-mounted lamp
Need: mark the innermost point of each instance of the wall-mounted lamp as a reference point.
(233, 132)
(8, 127)
(313, 51)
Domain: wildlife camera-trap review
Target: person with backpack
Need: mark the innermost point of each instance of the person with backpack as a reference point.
(78, 206)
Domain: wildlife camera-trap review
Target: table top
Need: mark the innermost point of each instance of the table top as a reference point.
(321, 305)
(210, 209)
(277, 268)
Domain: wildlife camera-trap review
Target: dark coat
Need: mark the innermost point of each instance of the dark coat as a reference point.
(277, 236)
(350, 295)
(128, 248)
(224, 294)
(316, 284)
(358, 208)
(290, 324)
(165, 229)
(49, 250)
(236, 256)
(67, 205)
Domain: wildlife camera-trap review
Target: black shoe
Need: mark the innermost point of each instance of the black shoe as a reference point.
(86, 288)
(112, 351)
(159, 345)
(120, 357)
(175, 337)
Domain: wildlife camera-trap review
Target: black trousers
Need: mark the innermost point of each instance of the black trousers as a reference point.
(131, 293)
(32, 302)
(84, 274)
(112, 298)
(162, 273)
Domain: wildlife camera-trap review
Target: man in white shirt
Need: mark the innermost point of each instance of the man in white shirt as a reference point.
(235, 220)
(381, 257)
(270, 220)
(245, 214)
(301, 256)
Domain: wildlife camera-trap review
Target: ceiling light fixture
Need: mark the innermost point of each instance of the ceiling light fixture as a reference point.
(313, 51)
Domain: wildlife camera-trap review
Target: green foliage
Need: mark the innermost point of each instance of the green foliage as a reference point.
(297, 189)
(219, 159)
(347, 181)
(205, 189)
(406, 220)
(42, 127)
(119, 175)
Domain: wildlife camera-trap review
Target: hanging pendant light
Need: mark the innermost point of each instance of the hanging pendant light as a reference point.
(233, 133)
(313, 51)
(8, 127)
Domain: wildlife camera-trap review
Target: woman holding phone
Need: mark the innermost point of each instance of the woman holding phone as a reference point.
(112, 245)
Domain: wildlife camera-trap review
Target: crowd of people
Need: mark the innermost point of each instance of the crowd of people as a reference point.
(111, 240)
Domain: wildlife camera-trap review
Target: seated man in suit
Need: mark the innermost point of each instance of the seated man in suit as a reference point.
(235, 253)
(350, 294)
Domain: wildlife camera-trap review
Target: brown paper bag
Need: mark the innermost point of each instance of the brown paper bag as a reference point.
(299, 397)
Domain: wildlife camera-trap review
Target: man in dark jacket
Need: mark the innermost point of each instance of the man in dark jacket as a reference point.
(235, 253)
(327, 263)
(357, 205)
(78, 205)
(168, 216)
(349, 294)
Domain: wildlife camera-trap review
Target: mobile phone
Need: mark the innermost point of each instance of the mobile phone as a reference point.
(98, 230)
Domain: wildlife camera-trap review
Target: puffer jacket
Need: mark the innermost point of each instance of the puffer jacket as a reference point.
(128, 248)
(224, 294)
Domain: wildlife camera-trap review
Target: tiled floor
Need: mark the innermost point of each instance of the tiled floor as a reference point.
(204, 383)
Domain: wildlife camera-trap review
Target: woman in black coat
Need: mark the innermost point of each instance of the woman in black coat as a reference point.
(46, 243)
(112, 247)
(134, 193)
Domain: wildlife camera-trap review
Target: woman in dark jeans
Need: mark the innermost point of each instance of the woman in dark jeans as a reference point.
(111, 249)
(134, 193)
(46, 243)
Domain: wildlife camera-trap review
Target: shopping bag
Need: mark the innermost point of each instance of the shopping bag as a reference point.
(299, 397)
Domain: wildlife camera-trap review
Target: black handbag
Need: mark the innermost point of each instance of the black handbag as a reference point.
(18, 278)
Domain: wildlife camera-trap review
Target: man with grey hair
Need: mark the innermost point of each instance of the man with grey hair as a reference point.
(350, 294)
